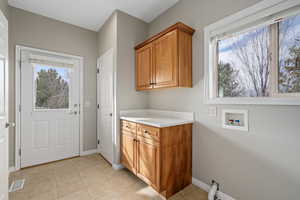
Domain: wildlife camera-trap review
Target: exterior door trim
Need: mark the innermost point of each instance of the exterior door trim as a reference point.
(19, 48)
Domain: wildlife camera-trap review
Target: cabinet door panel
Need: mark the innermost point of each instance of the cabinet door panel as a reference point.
(166, 60)
(128, 156)
(148, 162)
(144, 68)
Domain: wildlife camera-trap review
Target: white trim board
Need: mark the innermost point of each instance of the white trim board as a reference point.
(117, 166)
(12, 169)
(205, 187)
(18, 97)
(89, 152)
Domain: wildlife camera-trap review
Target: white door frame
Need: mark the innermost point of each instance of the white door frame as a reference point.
(19, 48)
(114, 103)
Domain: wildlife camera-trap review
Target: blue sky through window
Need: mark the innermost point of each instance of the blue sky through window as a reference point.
(229, 44)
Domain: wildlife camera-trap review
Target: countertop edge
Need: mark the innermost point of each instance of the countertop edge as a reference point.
(184, 121)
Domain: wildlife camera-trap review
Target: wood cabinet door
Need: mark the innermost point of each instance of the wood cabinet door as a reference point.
(144, 68)
(147, 167)
(128, 155)
(165, 58)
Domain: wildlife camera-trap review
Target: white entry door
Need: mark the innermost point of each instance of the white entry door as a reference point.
(105, 105)
(49, 107)
(3, 109)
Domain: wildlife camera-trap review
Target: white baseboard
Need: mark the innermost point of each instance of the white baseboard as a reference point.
(89, 152)
(117, 166)
(205, 187)
(12, 169)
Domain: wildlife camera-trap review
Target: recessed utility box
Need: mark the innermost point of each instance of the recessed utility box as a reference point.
(235, 119)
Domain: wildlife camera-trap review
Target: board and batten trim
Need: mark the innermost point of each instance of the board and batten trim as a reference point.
(206, 187)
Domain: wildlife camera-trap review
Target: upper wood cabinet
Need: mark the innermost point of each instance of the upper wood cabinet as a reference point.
(144, 77)
(165, 60)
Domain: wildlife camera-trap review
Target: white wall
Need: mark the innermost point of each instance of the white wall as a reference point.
(260, 165)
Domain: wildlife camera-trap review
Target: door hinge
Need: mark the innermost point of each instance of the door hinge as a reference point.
(98, 106)
(20, 152)
(98, 141)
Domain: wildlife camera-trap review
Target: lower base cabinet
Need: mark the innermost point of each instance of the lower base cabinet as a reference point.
(161, 157)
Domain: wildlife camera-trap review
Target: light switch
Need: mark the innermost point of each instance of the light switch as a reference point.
(212, 111)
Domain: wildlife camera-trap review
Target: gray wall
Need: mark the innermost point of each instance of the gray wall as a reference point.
(40, 32)
(260, 165)
(130, 32)
(4, 8)
(107, 35)
(122, 32)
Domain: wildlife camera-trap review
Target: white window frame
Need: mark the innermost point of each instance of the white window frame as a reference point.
(261, 13)
(35, 109)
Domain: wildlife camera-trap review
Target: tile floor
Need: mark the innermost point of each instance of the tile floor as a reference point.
(88, 178)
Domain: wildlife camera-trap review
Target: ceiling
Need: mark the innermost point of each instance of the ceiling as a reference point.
(91, 14)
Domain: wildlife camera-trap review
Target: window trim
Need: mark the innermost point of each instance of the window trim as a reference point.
(35, 109)
(261, 13)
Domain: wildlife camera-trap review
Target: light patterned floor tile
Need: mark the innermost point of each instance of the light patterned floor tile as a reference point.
(89, 178)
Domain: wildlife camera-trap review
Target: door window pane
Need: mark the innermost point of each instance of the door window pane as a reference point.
(2, 86)
(244, 64)
(52, 87)
(289, 55)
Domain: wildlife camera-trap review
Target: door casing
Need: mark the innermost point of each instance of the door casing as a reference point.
(110, 51)
(4, 116)
(18, 98)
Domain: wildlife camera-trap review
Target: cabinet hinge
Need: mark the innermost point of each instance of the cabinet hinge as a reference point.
(98, 141)
(20, 108)
(98, 106)
(20, 152)
(98, 71)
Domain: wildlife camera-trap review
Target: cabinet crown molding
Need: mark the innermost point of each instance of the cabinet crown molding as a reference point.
(179, 26)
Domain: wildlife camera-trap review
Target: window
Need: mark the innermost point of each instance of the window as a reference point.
(244, 64)
(51, 87)
(289, 55)
(256, 58)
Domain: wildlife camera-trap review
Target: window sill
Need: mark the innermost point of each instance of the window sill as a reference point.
(255, 101)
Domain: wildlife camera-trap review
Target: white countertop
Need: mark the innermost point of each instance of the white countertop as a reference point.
(158, 118)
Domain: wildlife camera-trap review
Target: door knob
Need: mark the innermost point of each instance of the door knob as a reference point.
(10, 125)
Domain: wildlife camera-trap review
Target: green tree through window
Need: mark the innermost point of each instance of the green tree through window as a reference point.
(52, 91)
